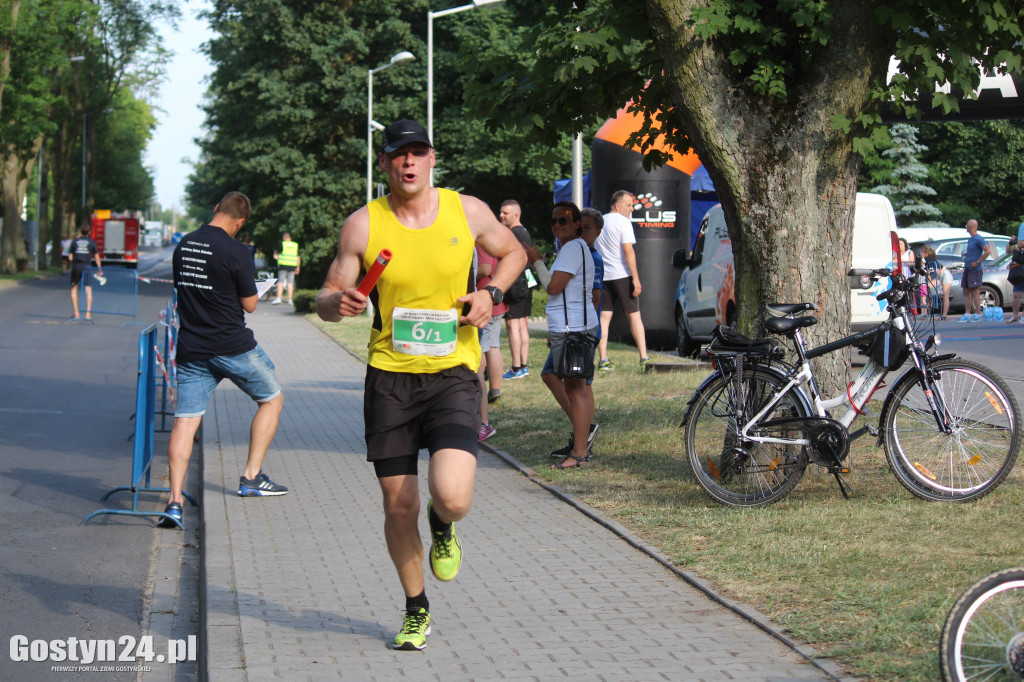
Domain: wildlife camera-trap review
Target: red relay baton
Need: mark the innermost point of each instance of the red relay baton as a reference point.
(366, 286)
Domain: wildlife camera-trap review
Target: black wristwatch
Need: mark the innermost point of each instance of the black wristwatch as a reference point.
(496, 294)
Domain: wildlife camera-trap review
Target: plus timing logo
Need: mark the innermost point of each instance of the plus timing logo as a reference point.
(652, 216)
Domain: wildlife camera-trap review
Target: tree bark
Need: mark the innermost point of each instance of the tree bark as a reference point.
(786, 178)
(13, 255)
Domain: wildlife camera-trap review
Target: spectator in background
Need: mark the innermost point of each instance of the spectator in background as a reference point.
(288, 263)
(83, 250)
(571, 308)
(491, 362)
(621, 278)
(518, 316)
(939, 279)
(975, 253)
(1012, 247)
(591, 221)
(252, 250)
(216, 286)
(65, 254)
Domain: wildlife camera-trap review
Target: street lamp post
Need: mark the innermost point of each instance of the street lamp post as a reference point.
(400, 58)
(430, 62)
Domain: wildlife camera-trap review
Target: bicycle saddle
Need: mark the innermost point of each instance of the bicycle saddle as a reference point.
(788, 325)
(726, 340)
(784, 309)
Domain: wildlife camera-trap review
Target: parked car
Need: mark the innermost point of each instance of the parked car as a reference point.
(705, 296)
(950, 252)
(996, 290)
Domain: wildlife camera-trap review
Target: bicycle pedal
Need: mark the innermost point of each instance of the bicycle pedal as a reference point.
(872, 430)
(839, 470)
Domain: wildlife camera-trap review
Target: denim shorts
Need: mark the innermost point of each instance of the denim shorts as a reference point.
(253, 372)
(490, 336)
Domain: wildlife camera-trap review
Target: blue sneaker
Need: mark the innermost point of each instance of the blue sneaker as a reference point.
(965, 318)
(173, 510)
(509, 374)
(976, 318)
(261, 486)
(522, 373)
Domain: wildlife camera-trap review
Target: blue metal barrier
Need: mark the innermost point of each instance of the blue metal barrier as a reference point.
(142, 455)
(168, 380)
(116, 292)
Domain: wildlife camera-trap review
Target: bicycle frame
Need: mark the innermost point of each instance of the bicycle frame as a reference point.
(857, 393)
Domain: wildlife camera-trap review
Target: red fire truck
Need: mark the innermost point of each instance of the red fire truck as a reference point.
(117, 237)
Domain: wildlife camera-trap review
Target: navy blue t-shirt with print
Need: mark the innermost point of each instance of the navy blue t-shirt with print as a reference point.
(212, 271)
(82, 250)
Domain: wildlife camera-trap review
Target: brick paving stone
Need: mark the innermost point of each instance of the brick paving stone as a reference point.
(301, 587)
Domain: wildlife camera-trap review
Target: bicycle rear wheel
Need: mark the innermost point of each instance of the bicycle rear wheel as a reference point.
(743, 474)
(979, 452)
(983, 638)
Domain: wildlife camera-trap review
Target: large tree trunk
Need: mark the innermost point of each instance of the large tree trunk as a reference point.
(61, 152)
(44, 211)
(13, 255)
(786, 179)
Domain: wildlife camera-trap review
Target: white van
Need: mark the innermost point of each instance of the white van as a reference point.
(705, 297)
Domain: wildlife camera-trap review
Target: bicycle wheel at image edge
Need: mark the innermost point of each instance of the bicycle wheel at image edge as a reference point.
(981, 449)
(982, 638)
(742, 474)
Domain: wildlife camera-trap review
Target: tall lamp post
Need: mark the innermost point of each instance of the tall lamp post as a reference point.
(430, 62)
(400, 58)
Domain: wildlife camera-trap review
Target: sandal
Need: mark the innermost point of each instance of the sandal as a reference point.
(578, 462)
(1012, 320)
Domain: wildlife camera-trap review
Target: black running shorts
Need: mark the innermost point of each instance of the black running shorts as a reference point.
(404, 413)
(620, 290)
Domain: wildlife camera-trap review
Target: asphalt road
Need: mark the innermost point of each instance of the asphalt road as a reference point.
(67, 398)
(994, 344)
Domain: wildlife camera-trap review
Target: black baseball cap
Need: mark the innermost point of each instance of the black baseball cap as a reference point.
(401, 133)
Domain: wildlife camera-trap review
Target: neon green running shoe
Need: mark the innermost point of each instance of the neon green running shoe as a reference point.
(445, 550)
(415, 628)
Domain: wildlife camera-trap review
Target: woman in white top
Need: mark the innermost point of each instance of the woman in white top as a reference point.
(570, 309)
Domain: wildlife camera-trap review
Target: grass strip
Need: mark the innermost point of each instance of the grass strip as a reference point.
(868, 581)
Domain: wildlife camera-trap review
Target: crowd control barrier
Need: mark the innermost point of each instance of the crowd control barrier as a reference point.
(168, 380)
(142, 456)
(116, 292)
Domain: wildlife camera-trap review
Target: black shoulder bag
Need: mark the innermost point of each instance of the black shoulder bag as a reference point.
(576, 360)
(1016, 273)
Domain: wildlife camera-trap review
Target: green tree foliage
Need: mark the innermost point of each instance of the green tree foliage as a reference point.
(776, 99)
(46, 97)
(36, 68)
(122, 181)
(905, 189)
(286, 115)
(977, 168)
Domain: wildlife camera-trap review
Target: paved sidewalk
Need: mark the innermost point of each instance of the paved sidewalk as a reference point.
(301, 586)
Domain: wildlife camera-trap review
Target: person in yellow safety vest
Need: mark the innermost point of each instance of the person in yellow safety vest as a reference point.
(288, 262)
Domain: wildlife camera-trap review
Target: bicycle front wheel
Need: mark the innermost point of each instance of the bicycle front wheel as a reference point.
(981, 448)
(983, 638)
(736, 473)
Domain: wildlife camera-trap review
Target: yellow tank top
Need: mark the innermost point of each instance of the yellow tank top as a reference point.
(417, 294)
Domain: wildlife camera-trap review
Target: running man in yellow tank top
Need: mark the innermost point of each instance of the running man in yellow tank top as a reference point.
(421, 386)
